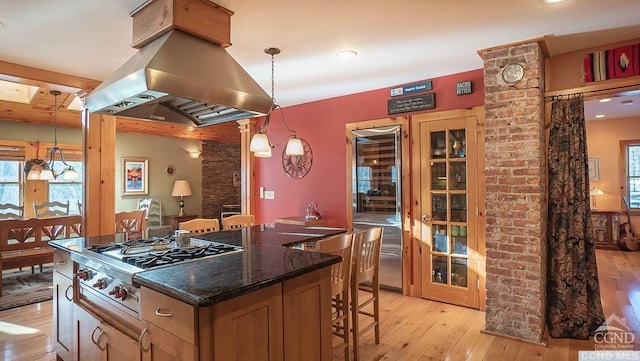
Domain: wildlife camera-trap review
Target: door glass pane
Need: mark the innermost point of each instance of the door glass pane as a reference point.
(440, 239)
(457, 143)
(438, 145)
(458, 207)
(459, 240)
(439, 204)
(459, 272)
(440, 269)
(458, 175)
(438, 176)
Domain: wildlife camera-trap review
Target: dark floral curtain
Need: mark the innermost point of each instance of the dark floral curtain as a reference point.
(574, 308)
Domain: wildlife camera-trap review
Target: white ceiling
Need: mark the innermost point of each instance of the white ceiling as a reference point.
(397, 41)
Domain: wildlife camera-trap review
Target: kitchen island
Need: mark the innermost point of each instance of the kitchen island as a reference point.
(268, 301)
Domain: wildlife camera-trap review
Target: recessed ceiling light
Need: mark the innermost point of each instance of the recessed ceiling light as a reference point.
(347, 54)
(627, 102)
(604, 100)
(600, 116)
(552, 1)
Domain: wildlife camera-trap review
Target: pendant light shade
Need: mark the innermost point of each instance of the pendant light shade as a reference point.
(260, 143)
(263, 154)
(294, 147)
(34, 174)
(46, 174)
(39, 169)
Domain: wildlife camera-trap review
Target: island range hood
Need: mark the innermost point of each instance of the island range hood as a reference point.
(181, 78)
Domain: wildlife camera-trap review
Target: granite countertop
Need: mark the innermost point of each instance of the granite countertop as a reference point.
(266, 259)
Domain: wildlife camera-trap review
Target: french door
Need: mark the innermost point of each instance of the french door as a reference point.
(448, 192)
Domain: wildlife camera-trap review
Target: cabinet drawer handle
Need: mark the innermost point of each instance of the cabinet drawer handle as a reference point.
(66, 293)
(144, 332)
(61, 263)
(163, 314)
(97, 342)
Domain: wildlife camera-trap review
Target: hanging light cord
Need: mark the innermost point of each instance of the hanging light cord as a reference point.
(55, 148)
(273, 51)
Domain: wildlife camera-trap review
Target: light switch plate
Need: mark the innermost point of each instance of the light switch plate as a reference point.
(269, 194)
(261, 192)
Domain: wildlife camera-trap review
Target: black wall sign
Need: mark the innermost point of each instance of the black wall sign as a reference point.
(463, 87)
(411, 104)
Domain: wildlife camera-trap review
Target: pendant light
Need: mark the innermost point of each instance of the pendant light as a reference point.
(48, 172)
(260, 144)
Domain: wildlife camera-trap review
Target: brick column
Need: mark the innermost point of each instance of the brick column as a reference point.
(219, 161)
(516, 192)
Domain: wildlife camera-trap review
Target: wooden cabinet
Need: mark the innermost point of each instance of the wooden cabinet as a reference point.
(160, 345)
(97, 340)
(62, 304)
(606, 229)
(87, 332)
(289, 321)
(174, 221)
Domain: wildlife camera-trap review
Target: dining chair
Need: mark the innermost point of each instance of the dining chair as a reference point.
(238, 221)
(365, 277)
(153, 218)
(200, 225)
(11, 211)
(51, 209)
(340, 245)
(131, 223)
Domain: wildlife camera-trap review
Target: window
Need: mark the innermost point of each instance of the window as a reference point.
(632, 154)
(61, 190)
(10, 181)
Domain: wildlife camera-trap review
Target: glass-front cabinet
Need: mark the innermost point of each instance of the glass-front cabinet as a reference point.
(447, 217)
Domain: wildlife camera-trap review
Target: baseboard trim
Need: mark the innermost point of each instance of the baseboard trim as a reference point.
(542, 343)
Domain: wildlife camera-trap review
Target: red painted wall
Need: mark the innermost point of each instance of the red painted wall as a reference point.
(322, 124)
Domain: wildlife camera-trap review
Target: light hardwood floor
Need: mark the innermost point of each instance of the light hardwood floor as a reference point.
(411, 329)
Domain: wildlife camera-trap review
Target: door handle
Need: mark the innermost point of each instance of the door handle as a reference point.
(425, 217)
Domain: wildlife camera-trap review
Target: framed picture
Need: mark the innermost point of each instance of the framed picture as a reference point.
(135, 173)
(594, 169)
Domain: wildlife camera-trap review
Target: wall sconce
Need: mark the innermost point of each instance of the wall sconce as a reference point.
(194, 154)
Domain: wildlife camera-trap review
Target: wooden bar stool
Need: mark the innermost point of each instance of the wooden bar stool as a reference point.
(340, 245)
(366, 264)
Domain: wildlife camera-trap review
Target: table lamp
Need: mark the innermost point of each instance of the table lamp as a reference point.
(181, 189)
(595, 192)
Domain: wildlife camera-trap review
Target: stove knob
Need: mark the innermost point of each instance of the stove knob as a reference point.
(115, 291)
(101, 284)
(83, 274)
(124, 294)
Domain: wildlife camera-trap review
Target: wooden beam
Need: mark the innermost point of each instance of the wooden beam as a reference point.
(224, 133)
(45, 78)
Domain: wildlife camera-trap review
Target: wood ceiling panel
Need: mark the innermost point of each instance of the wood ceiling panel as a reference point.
(40, 111)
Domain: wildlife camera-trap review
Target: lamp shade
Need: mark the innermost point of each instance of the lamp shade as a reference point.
(46, 174)
(596, 192)
(181, 188)
(34, 174)
(259, 143)
(263, 154)
(70, 174)
(294, 147)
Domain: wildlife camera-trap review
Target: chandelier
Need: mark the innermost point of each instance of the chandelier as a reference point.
(45, 170)
(260, 144)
